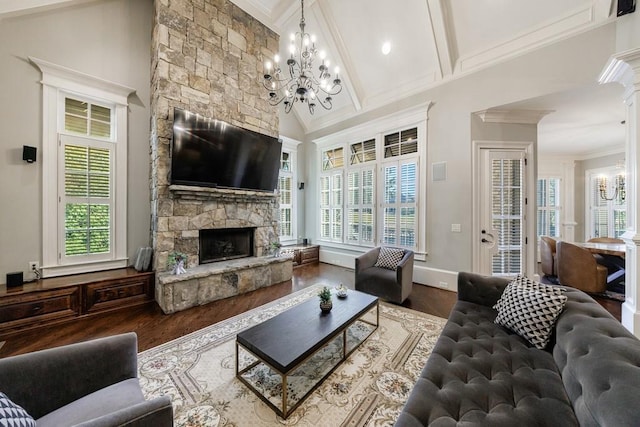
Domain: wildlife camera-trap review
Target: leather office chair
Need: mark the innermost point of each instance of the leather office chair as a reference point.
(578, 268)
(614, 264)
(548, 262)
(394, 286)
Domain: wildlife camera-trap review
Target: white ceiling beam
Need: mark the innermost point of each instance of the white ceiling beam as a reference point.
(335, 42)
(442, 28)
(286, 10)
(603, 9)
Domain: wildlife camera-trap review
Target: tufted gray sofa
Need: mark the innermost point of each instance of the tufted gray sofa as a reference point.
(481, 374)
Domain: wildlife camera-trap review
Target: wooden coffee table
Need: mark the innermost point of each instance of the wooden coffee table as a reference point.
(288, 356)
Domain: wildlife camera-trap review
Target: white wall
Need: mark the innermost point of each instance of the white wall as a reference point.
(107, 39)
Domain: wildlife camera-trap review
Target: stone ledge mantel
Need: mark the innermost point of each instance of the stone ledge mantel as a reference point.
(210, 282)
(206, 270)
(188, 192)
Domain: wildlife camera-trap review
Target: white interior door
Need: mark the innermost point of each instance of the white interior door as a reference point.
(502, 198)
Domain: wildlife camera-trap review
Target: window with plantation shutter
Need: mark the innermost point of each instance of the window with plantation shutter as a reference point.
(548, 199)
(507, 179)
(87, 200)
(608, 218)
(360, 207)
(285, 184)
(84, 169)
(399, 221)
(401, 143)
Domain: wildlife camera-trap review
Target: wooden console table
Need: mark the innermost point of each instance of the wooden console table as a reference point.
(302, 254)
(60, 299)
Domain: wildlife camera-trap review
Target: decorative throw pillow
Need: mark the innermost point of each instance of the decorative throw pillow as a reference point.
(389, 258)
(12, 415)
(530, 313)
(524, 281)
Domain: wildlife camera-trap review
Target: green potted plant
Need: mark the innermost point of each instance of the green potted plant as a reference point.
(326, 304)
(275, 248)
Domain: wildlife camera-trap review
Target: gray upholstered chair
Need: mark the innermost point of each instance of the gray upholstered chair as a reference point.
(94, 383)
(389, 285)
(578, 268)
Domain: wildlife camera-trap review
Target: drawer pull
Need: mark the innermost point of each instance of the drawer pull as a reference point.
(36, 308)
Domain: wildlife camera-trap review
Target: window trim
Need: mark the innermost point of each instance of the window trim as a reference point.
(290, 146)
(57, 82)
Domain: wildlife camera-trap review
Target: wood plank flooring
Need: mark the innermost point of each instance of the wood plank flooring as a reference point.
(154, 327)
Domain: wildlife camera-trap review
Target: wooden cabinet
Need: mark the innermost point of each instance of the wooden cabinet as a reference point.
(61, 299)
(306, 254)
(117, 294)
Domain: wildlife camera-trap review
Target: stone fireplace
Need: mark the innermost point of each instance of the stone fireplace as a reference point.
(207, 57)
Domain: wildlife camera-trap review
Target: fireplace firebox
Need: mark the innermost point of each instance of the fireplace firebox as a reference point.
(225, 244)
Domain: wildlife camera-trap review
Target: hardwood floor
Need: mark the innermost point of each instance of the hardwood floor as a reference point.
(154, 327)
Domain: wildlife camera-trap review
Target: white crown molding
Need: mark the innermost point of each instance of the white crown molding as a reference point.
(623, 68)
(494, 115)
(619, 149)
(260, 12)
(541, 35)
(71, 80)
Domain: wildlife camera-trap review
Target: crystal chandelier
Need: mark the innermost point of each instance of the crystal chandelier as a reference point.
(300, 83)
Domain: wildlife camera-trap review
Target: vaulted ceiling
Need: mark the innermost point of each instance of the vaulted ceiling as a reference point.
(432, 42)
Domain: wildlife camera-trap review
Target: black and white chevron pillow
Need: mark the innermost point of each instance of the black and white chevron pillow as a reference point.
(524, 281)
(389, 258)
(12, 415)
(530, 313)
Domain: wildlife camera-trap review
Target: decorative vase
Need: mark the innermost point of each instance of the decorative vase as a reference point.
(179, 268)
(326, 306)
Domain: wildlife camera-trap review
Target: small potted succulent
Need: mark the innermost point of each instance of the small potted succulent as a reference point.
(275, 248)
(326, 304)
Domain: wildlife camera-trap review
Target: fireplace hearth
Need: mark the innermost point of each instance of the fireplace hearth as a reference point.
(226, 244)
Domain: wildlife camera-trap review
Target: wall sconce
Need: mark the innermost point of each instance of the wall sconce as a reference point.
(619, 191)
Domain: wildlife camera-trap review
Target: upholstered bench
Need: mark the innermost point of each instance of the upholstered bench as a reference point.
(480, 373)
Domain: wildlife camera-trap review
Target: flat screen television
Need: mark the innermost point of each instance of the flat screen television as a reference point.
(211, 153)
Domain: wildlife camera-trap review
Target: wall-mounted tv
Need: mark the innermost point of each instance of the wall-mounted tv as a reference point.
(211, 153)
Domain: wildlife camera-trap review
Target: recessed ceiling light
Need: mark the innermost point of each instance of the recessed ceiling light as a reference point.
(386, 48)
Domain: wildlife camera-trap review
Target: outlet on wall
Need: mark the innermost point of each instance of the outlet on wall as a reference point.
(34, 270)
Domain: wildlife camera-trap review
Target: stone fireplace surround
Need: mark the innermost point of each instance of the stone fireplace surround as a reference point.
(207, 58)
(200, 208)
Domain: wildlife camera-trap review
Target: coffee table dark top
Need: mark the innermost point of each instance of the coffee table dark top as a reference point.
(288, 338)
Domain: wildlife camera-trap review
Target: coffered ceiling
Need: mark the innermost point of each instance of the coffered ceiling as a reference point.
(432, 42)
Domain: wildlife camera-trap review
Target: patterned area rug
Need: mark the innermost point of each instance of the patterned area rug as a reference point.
(368, 389)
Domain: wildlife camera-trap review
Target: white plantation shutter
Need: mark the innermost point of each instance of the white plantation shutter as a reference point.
(360, 207)
(325, 206)
(87, 197)
(548, 213)
(399, 223)
(507, 217)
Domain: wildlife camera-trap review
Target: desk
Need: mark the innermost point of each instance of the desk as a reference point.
(616, 249)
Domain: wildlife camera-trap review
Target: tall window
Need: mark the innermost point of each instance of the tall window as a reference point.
(285, 185)
(548, 197)
(331, 195)
(379, 208)
(400, 203)
(84, 168)
(608, 218)
(86, 202)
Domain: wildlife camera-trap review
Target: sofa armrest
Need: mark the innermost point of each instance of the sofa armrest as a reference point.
(151, 413)
(46, 380)
(367, 260)
(483, 290)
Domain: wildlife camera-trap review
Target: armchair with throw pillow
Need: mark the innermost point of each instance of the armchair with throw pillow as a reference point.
(386, 273)
(93, 383)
